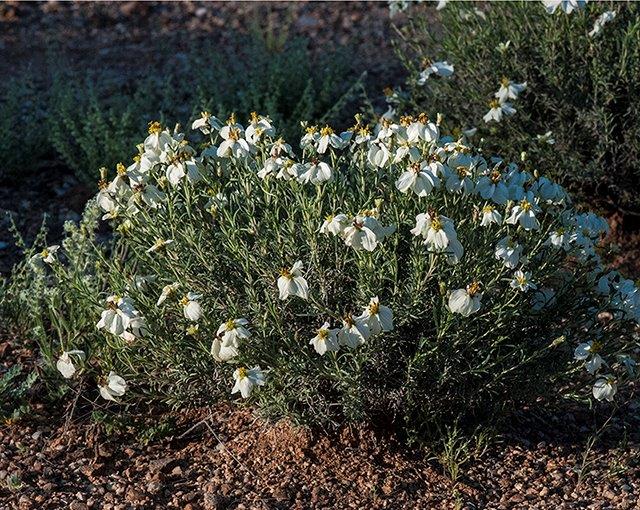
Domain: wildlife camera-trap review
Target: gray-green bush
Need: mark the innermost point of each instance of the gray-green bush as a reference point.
(490, 274)
(584, 88)
(90, 121)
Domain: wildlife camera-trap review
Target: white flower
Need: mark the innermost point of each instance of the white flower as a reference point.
(280, 148)
(334, 224)
(158, 138)
(206, 123)
(182, 165)
(258, 127)
(159, 244)
(442, 68)
(489, 216)
(466, 301)
(190, 306)
(142, 191)
(223, 350)
(522, 281)
(603, 19)
(328, 138)
(233, 331)
(116, 318)
(48, 255)
(291, 282)
(588, 351)
(567, 6)
(359, 235)
(492, 187)
(354, 332)
(65, 364)
(379, 318)
(114, 386)
(525, 213)
(458, 175)
(605, 388)
(546, 138)
(419, 178)
(325, 340)
(234, 144)
(509, 90)
(167, 291)
(498, 110)
(548, 191)
(560, 239)
(378, 154)
(439, 234)
(316, 172)
(245, 380)
(509, 251)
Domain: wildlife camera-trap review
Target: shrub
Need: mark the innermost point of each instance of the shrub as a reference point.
(93, 120)
(22, 115)
(581, 88)
(391, 273)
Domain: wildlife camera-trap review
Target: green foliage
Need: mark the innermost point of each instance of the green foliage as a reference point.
(232, 230)
(23, 137)
(91, 121)
(584, 89)
(14, 393)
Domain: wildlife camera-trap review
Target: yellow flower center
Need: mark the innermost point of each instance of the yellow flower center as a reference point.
(436, 223)
(230, 325)
(487, 209)
(242, 372)
(284, 272)
(154, 127)
(232, 119)
(521, 279)
(311, 130)
(496, 176)
(462, 171)
(234, 134)
(504, 81)
(326, 131)
(494, 103)
(374, 308)
(525, 205)
(595, 346)
(323, 334)
(473, 288)
(255, 118)
(406, 120)
(184, 301)
(121, 169)
(423, 118)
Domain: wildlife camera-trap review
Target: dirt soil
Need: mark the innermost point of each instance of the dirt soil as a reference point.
(227, 458)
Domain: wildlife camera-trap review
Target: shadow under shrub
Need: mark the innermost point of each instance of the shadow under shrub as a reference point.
(391, 273)
(581, 87)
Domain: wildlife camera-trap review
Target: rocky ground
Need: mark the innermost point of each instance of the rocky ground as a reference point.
(227, 458)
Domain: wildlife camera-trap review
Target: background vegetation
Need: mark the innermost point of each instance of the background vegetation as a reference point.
(88, 121)
(583, 88)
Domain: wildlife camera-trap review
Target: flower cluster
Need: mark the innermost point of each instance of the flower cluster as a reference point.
(259, 255)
